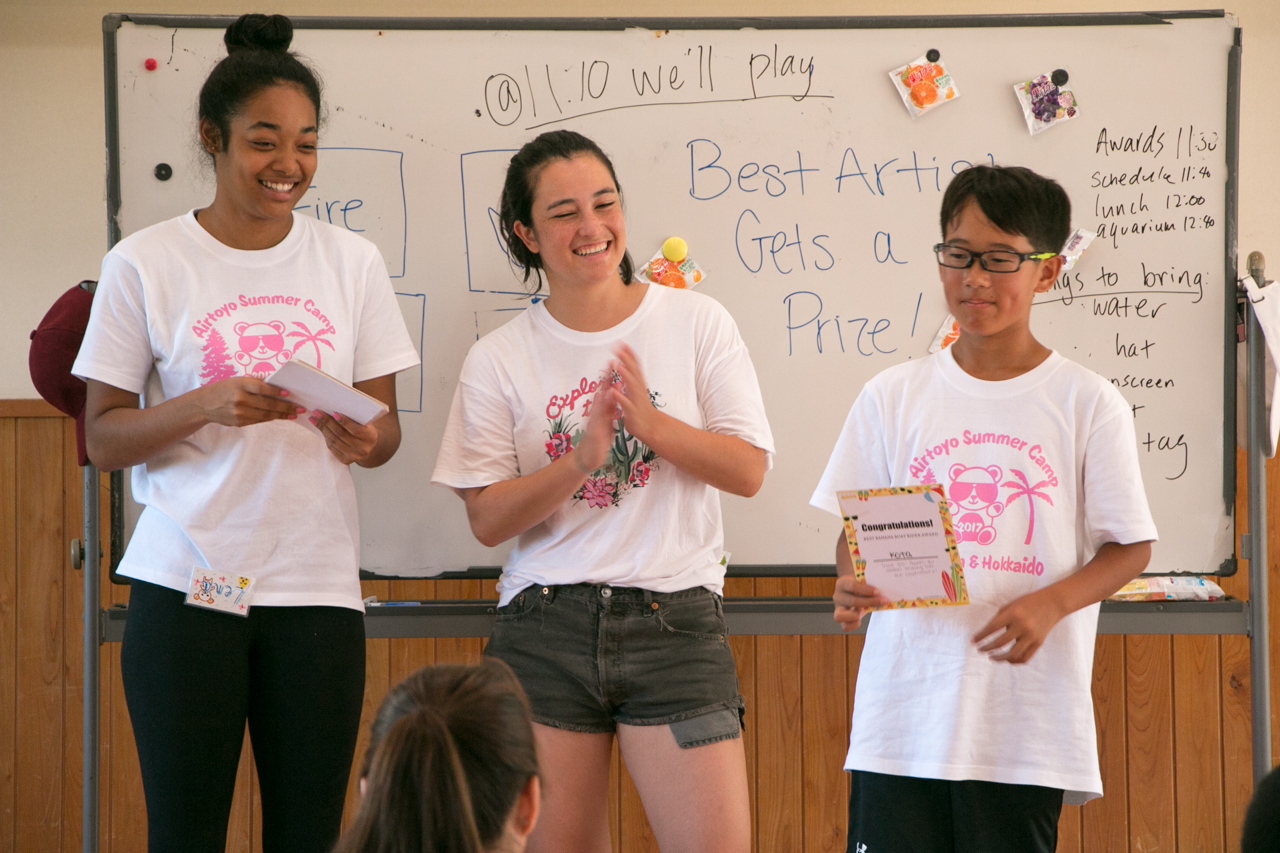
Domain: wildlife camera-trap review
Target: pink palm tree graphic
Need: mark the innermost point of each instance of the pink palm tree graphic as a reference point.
(308, 337)
(1023, 488)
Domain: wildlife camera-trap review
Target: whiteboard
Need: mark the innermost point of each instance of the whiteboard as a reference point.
(780, 150)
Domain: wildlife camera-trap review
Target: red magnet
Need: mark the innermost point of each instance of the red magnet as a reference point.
(150, 64)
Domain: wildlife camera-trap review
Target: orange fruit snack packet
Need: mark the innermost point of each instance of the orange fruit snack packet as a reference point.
(671, 266)
(924, 83)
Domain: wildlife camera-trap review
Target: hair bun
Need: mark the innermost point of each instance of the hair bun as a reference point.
(259, 32)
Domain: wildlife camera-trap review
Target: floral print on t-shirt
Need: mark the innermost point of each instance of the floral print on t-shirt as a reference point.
(630, 462)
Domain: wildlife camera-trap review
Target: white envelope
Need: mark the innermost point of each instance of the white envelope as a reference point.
(311, 387)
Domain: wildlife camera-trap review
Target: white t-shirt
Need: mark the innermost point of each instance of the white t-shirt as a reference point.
(638, 521)
(1040, 471)
(174, 310)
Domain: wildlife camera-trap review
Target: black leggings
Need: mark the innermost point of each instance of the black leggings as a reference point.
(192, 677)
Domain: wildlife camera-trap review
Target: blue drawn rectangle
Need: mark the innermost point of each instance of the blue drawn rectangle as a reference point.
(489, 269)
(362, 190)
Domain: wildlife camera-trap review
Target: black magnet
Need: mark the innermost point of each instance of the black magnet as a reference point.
(933, 55)
(164, 171)
(1059, 77)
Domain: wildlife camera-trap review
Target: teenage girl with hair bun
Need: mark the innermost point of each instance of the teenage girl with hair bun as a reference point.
(451, 766)
(190, 316)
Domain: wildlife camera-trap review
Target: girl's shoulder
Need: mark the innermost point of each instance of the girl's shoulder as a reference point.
(161, 236)
(686, 302)
(681, 313)
(517, 338)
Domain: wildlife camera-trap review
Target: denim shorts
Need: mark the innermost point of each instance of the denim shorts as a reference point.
(590, 656)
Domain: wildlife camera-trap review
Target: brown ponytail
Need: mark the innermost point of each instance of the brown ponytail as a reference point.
(450, 751)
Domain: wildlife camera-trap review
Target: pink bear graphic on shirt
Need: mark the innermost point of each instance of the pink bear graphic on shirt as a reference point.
(261, 347)
(974, 500)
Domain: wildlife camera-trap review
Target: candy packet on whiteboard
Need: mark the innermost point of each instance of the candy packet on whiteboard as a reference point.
(672, 266)
(1047, 100)
(948, 333)
(1075, 246)
(924, 83)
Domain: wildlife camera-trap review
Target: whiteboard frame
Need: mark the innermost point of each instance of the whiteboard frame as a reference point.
(111, 24)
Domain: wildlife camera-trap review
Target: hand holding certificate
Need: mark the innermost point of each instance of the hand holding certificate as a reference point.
(901, 542)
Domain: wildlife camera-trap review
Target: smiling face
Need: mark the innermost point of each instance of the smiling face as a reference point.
(265, 166)
(577, 227)
(993, 306)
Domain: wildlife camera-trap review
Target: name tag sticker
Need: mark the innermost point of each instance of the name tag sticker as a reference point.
(212, 590)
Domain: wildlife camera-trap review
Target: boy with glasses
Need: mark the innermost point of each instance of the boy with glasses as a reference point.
(974, 724)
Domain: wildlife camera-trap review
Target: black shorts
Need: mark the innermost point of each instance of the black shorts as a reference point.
(591, 656)
(903, 814)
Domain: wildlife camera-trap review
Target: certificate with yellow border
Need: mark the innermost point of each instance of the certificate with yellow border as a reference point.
(901, 542)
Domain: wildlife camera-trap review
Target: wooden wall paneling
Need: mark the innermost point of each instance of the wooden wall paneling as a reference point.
(410, 654)
(8, 628)
(33, 408)
(1105, 820)
(72, 646)
(853, 646)
(1069, 830)
(1197, 741)
(377, 678)
(128, 815)
(744, 656)
(38, 759)
(779, 768)
(1237, 738)
(1169, 800)
(458, 649)
(243, 807)
(1149, 690)
(824, 710)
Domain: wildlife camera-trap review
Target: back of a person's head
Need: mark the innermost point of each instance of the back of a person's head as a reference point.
(450, 752)
(1016, 200)
(1262, 821)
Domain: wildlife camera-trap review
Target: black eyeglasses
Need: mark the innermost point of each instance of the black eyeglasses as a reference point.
(997, 261)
